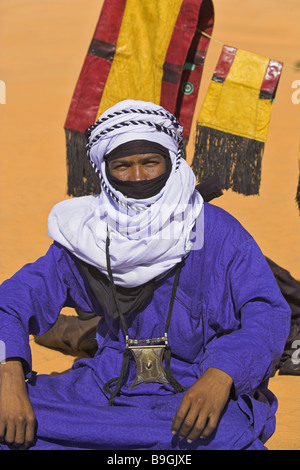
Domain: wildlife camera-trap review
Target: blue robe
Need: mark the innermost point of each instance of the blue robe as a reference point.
(228, 313)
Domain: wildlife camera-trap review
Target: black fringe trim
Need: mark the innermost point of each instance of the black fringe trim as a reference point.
(183, 148)
(237, 160)
(298, 194)
(82, 179)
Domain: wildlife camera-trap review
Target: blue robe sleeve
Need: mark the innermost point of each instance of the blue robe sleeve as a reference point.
(31, 300)
(250, 319)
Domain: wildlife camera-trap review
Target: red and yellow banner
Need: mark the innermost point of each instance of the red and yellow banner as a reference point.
(233, 123)
(152, 51)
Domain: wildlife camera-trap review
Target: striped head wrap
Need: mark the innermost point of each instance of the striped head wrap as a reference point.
(128, 121)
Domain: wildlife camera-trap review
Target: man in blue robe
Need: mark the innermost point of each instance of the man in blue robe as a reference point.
(191, 319)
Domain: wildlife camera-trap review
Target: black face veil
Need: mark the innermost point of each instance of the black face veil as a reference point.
(138, 189)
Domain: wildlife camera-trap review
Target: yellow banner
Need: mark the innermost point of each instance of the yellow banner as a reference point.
(234, 106)
(143, 41)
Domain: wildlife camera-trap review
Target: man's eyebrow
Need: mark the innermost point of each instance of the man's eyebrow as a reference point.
(123, 160)
(117, 161)
(150, 157)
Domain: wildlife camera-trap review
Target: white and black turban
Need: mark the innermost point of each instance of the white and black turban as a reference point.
(147, 236)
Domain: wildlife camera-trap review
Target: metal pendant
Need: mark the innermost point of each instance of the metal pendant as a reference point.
(149, 366)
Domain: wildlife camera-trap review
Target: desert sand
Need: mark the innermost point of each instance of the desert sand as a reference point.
(43, 45)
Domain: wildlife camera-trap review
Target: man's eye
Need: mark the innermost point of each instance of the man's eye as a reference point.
(120, 167)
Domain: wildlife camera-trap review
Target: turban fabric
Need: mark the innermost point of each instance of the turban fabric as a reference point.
(151, 51)
(148, 237)
(233, 123)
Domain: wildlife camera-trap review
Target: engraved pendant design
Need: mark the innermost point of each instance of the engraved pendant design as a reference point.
(149, 366)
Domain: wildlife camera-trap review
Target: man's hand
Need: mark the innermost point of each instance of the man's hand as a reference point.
(202, 405)
(17, 418)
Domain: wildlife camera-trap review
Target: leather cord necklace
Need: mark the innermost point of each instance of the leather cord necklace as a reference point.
(148, 356)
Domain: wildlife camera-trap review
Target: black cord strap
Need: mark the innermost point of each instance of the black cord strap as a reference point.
(167, 356)
(113, 284)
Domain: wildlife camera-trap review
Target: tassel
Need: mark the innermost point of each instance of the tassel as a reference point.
(172, 381)
(119, 379)
(237, 160)
(82, 179)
